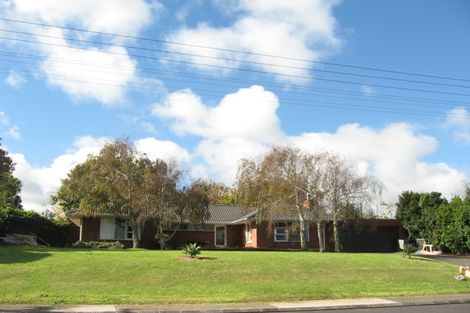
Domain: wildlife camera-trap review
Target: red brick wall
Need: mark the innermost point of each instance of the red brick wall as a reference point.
(183, 237)
(254, 236)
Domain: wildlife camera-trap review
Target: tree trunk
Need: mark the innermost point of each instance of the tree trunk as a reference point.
(303, 241)
(335, 232)
(320, 236)
(161, 237)
(136, 236)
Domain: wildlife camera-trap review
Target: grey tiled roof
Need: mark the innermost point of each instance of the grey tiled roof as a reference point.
(226, 213)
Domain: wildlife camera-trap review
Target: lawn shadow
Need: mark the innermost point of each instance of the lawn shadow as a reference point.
(199, 258)
(18, 254)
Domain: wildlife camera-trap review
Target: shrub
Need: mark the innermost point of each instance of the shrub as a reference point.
(408, 250)
(18, 221)
(192, 249)
(98, 245)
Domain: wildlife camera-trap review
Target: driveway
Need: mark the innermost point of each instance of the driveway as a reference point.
(456, 260)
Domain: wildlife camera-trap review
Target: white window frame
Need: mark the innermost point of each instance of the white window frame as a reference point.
(215, 235)
(287, 233)
(127, 232)
(248, 233)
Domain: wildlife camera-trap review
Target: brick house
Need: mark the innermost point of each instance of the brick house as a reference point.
(231, 227)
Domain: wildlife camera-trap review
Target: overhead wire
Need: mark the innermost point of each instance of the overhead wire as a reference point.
(236, 60)
(231, 50)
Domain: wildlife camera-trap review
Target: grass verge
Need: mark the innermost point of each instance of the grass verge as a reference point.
(68, 276)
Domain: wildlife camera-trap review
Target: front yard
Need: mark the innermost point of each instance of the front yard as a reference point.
(50, 276)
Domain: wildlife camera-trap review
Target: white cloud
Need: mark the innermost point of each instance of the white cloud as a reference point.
(7, 129)
(241, 126)
(367, 90)
(40, 182)
(458, 120)
(118, 16)
(162, 149)
(111, 69)
(247, 113)
(14, 79)
(302, 29)
(393, 154)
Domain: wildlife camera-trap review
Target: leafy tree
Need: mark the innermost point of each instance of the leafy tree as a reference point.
(10, 186)
(287, 180)
(409, 212)
(417, 212)
(346, 190)
(121, 182)
(219, 193)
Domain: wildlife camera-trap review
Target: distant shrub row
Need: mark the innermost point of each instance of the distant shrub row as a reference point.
(56, 233)
(98, 245)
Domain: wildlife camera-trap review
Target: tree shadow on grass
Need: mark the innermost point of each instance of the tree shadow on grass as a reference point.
(11, 255)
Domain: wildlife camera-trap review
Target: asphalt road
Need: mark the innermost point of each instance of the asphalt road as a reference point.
(436, 308)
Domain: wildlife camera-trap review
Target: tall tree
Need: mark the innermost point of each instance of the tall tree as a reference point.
(121, 182)
(287, 180)
(345, 190)
(10, 186)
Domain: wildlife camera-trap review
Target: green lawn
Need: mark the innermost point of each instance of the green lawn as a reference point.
(48, 276)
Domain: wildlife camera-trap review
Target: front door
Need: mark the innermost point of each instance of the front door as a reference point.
(220, 239)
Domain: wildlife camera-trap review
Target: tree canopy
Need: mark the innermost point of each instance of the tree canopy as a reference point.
(310, 185)
(122, 182)
(10, 186)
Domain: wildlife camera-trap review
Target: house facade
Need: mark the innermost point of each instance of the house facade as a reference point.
(232, 227)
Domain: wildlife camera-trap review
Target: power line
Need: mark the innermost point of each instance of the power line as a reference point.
(244, 69)
(233, 50)
(237, 60)
(322, 104)
(218, 78)
(217, 83)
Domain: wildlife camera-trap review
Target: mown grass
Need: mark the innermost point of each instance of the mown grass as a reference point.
(51, 276)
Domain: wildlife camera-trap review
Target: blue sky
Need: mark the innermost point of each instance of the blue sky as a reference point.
(62, 98)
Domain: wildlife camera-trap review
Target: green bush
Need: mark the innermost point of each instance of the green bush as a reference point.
(408, 250)
(192, 249)
(98, 245)
(18, 221)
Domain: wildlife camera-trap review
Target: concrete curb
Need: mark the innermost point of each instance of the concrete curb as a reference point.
(340, 304)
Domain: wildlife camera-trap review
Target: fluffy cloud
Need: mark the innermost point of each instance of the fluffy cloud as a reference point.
(162, 149)
(242, 126)
(458, 120)
(14, 79)
(108, 70)
(248, 113)
(6, 127)
(393, 154)
(40, 182)
(303, 29)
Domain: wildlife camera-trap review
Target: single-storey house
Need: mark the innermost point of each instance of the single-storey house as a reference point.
(231, 227)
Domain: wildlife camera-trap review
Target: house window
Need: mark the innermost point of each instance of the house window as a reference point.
(248, 233)
(115, 229)
(281, 232)
(284, 232)
(129, 233)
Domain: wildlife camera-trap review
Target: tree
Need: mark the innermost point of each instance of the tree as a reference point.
(287, 180)
(345, 190)
(121, 182)
(417, 212)
(219, 193)
(444, 224)
(10, 186)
